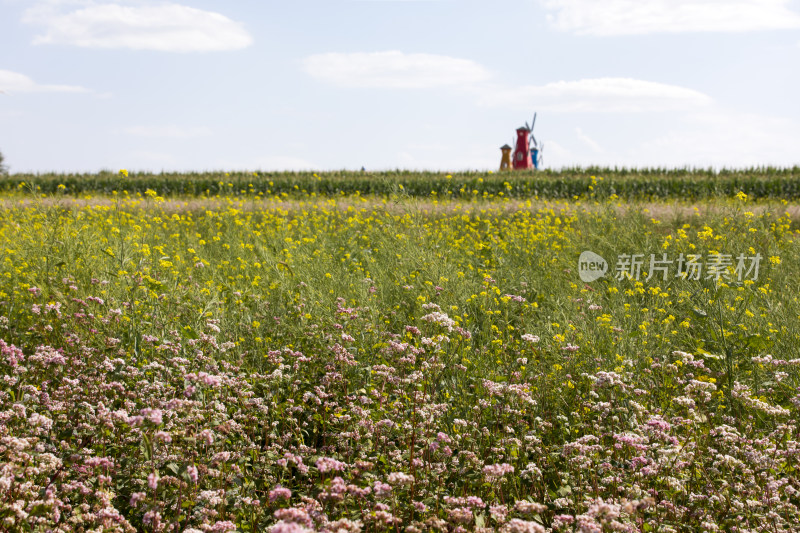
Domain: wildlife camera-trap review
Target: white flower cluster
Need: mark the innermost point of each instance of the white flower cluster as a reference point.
(440, 318)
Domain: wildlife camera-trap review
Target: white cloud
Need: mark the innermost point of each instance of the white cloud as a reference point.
(617, 95)
(588, 141)
(715, 138)
(163, 27)
(556, 152)
(724, 139)
(168, 132)
(632, 17)
(393, 69)
(14, 82)
(412, 71)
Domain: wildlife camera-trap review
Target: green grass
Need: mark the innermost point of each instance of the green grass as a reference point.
(628, 184)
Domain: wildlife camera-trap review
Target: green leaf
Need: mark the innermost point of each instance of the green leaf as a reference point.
(757, 342)
(145, 447)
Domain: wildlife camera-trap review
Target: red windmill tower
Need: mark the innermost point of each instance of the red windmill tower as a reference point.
(522, 153)
(527, 151)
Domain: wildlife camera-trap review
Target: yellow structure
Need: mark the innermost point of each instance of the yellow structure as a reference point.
(505, 162)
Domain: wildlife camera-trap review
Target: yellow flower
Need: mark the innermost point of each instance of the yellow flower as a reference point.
(123, 172)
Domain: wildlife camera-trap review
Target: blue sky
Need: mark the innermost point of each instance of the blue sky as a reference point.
(415, 84)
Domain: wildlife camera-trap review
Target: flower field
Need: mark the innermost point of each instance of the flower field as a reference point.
(348, 363)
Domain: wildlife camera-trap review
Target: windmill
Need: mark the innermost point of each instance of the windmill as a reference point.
(536, 148)
(527, 150)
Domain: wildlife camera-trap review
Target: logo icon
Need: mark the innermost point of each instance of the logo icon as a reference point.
(591, 266)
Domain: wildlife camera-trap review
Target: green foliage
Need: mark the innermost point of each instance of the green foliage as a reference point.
(206, 355)
(600, 183)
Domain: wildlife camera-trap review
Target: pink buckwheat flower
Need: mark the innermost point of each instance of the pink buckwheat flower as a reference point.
(327, 464)
(495, 472)
(136, 497)
(279, 493)
(153, 415)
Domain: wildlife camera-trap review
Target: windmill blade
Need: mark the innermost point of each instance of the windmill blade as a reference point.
(533, 122)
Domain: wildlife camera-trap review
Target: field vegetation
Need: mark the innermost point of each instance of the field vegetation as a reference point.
(267, 355)
(627, 184)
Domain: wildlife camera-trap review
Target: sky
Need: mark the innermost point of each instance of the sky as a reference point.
(204, 85)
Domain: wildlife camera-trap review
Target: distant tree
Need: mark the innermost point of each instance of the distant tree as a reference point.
(3, 169)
